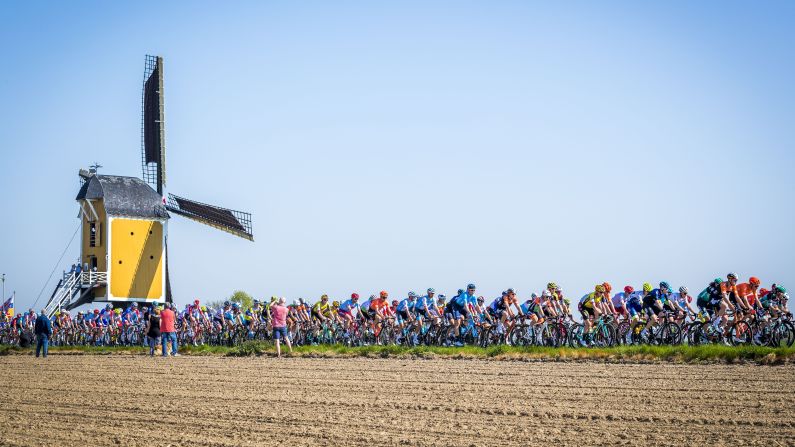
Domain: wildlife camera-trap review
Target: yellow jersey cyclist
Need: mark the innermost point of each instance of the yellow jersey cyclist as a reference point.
(592, 305)
(321, 311)
(560, 303)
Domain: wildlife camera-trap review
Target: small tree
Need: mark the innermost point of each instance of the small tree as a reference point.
(244, 299)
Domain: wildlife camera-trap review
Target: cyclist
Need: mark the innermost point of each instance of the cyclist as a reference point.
(321, 310)
(652, 305)
(591, 306)
(345, 311)
(462, 307)
(620, 301)
(682, 301)
(729, 290)
(405, 310)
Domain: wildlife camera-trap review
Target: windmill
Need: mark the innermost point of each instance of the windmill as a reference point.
(124, 220)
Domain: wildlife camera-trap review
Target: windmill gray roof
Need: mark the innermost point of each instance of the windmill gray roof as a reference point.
(124, 196)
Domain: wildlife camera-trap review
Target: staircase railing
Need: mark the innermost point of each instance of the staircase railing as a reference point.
(70, 283)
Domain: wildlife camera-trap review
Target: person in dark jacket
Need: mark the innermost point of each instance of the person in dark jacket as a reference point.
(43, 330)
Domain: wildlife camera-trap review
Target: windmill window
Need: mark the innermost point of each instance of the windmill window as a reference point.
(151, 257)
(92, 234)
(132, 234)
(119, 261)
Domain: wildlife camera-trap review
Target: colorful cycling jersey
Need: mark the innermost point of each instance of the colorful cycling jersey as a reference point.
(498, 304)
(619, 300)
(229, 315)
(725, 287)
(465, 298)
(635, 297)
(679, 299)
(527, 307)
(348, 306)
(651, 298)
(421, 303)
(365, 306)
(406, 305)
(322, 309)
(589, 299)
(380, 304)
(711, 293)
(745, 290)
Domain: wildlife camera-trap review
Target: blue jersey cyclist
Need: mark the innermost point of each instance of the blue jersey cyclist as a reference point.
(345, 311)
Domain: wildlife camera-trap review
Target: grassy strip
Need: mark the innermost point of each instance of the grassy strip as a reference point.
(685, 354)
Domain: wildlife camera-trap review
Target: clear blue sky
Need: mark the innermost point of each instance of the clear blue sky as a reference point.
(415, 144)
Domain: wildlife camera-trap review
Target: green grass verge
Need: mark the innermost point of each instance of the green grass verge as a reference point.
(682, 354)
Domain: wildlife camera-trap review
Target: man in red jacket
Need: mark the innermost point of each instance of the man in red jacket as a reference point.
(279, 316)
(167, 331)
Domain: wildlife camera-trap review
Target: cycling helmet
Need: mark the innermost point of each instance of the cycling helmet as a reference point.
(96, 311)
(79, 313)
(196, 302)
(372, 297)
(533, 296)
(552, 285)
(460, 291)
(718, 280)
(430, 290)
(235, 306)
(274, 298)
(781, 289)
(600, 288)
(117, 311)
(384, 294)
(441, 297)
(354, 296)
(412, 294)
(324, 297)
(683, 290)
(204, 308)
(226, 304)
(628, 290)
(504, 293)
(754, 281)
(511, 290)
(134, 304)
(481, 299)
(646, 287)
(335, 303)
(546, 293)
(301, 301)
(256, 301)
(665, 286)
(731, 275)
(57, 313)
(608, 287)
(471, 287)
(394, 302)
(109, 306)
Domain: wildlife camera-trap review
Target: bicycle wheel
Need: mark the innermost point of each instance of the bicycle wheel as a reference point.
(575, 336)
(783, 334)
(522, 335)
(604, 336)
(671, 333)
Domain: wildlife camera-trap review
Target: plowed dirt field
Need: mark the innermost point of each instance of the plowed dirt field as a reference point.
(218, 401)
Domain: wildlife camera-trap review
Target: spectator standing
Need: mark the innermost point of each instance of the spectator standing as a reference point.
(167, 331)
(43, 330)
(279, 315)
(153, 330)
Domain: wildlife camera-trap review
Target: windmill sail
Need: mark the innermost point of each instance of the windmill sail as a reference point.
(153, 135)
(231, 221)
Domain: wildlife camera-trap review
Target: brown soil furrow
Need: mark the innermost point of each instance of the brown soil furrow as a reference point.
(215, 401)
